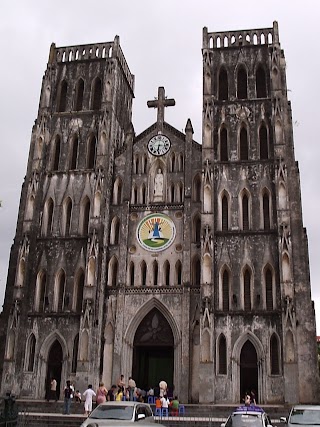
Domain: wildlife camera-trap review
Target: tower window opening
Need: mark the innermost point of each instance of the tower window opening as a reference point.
(263, 139)
(242, 90)
(223, 145)
(261, 84)
(223, 85)
(247, 290)
(244, 146)
(62, 106)
(97, 94)
(79, 95)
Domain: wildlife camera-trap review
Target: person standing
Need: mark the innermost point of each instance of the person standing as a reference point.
(132, 387)
(110, 395)
(164, 401)
(53, 390)
(67, 398)
(175, 406)
(163, 388)
(88, 395)
(121, 382)
(101, 394)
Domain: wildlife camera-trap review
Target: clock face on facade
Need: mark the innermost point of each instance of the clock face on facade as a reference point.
(159, 145)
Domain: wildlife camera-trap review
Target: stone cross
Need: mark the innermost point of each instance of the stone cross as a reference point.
(160, 103)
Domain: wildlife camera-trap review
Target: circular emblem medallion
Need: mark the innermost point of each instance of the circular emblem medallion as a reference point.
(156, 232)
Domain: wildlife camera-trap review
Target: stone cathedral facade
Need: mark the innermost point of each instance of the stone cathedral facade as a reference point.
(157, 256)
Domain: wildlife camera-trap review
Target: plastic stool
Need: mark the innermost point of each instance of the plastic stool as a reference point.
(182, 410)
(164, 412)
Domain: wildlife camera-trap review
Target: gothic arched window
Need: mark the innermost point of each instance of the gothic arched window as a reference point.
(59, 292)
(114, 232)
(56, 153)
(134, 194)
(166, 272)
(261, 84)
(85, 208)
(225, 290)
(41, 291)
(224, 213)
(244, 145)
(266, 211)
(143, 194)
(92, 152)
(245, 212)
(48, 217)
(247, 290)
(223, 145)
(197, 229)
(178, 280)
(79, 95)
(223, 85)
(242, 91)
(143, 273)
(131, 274)
(78, 291)
(62, 105)
(263, 141)
(67, 211)
(74, 153)
(269, 289)
(113, 272)
(155, 272)
(117, 191)
(30, 353)
(97, 94)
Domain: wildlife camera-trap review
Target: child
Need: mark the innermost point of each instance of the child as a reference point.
(77, 396)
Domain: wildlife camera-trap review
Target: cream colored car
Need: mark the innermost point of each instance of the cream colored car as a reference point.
(120, 414)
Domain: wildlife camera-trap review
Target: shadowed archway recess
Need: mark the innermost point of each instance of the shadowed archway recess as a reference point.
(55, 358)
(153, 351)
(248, 370)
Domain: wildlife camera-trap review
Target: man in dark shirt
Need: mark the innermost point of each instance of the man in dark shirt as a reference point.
(110, 395)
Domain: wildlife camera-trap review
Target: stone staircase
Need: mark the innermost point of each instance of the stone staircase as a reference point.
(40, 413)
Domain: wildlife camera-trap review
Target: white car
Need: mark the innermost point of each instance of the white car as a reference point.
(120, 414)
(244, 416)
(303, 415)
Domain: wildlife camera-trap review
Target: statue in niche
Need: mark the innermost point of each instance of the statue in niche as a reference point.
(158, 185)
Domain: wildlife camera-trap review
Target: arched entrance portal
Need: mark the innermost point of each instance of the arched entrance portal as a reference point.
(248, 369)
(153, 352)
(54, 367)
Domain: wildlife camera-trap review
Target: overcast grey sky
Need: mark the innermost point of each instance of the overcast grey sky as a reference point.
(162, 43)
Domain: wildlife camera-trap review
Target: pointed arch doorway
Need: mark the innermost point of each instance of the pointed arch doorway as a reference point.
(153, 351)
(249, 370)
(54, 367)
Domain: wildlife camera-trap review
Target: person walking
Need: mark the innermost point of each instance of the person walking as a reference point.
(88, 395)
(67, 398)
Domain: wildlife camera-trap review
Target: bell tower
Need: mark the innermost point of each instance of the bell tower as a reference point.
(255, 277)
